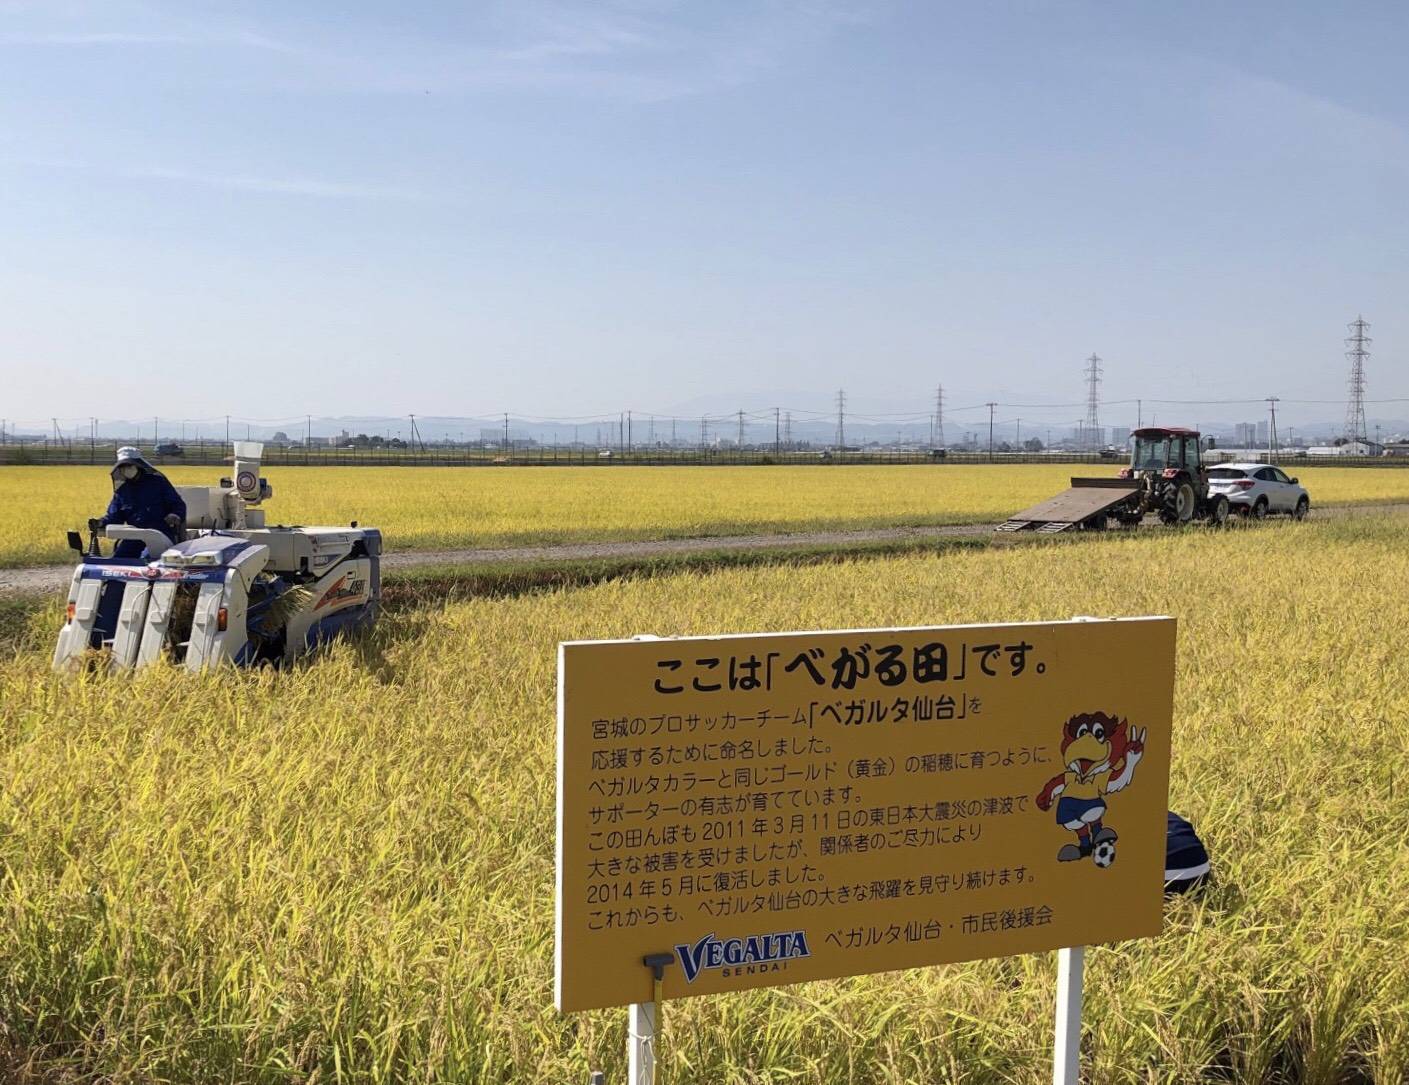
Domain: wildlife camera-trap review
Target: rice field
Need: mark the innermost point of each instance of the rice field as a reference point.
(344, 872)
(433, 508)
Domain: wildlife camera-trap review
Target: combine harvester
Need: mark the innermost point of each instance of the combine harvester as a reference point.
(1166, 477)
(234, 591)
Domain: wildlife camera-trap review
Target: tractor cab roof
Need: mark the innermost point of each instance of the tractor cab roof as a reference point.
(1164, 431)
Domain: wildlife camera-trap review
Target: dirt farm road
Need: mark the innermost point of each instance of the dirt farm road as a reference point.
(39, 579)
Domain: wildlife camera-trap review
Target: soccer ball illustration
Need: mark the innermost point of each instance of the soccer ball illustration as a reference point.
(1104, 853)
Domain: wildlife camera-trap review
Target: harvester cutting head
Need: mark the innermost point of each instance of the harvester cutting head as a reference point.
(233, 591)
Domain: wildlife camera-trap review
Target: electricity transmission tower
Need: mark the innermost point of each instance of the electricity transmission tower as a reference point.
(1093, 400)
(1358, 342)
(841, 419)
(937, 438)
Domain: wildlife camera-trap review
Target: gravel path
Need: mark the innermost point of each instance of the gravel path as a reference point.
(46, 578)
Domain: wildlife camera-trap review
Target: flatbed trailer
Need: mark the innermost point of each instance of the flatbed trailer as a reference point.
(1083, 507)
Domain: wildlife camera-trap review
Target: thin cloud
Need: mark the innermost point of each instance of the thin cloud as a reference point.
(242, 182)
(628, 51)
(87, 39)
(281, 186)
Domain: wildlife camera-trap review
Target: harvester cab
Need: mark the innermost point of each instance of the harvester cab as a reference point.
(231, 590)
(1166, 476)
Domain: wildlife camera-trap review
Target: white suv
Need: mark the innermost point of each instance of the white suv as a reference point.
(1257, 489)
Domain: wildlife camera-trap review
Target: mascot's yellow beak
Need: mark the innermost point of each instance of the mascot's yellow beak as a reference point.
(1086, 752)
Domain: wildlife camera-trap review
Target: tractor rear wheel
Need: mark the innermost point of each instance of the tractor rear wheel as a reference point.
(1178, 504)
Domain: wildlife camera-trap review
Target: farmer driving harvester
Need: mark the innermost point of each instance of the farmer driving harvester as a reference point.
(142, 497)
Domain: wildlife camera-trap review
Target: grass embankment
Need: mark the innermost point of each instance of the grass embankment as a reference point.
(344, 871)
(431, 508)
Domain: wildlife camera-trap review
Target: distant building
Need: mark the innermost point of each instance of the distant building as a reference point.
(1350, 448)
(1244, 434)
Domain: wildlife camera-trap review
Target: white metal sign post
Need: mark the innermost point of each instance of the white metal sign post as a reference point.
(641, 1025)
(641, 1050)
(1066, 1060)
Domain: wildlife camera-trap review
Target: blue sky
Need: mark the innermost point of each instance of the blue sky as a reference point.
(565, 208)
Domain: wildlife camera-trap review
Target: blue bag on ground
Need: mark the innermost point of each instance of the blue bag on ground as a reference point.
(1186, 864)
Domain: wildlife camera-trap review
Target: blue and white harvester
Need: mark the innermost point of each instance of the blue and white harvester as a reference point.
(235, 590)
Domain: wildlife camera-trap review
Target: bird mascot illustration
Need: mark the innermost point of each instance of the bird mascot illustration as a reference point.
(1099, 754)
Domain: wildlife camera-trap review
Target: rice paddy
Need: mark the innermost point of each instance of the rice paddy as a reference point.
(344, 871)
(434, 508)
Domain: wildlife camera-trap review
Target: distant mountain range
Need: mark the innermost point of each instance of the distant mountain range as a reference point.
(760, 427)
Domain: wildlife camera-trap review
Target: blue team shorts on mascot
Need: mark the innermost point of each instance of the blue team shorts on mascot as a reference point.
(1071, 809)
(145, 501)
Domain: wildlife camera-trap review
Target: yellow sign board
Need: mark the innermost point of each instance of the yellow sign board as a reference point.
(777, 808)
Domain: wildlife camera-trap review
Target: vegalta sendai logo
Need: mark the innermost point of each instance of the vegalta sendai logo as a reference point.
(742, 956)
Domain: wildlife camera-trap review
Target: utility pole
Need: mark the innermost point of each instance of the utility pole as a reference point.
(937, 438)
(92, 439)
(841, 420)
(506, 431)
(227, 431)
(156, 432)
(704, 432)
(788, 430)
(1272, 402)
(1139, 413)
(741, 430)
(777, 433)
(991, 406)
(1018, 440)
(628, 431)
(1355, 428)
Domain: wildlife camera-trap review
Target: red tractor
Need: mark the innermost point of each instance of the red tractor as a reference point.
(1166, 476)
(1167, 462)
